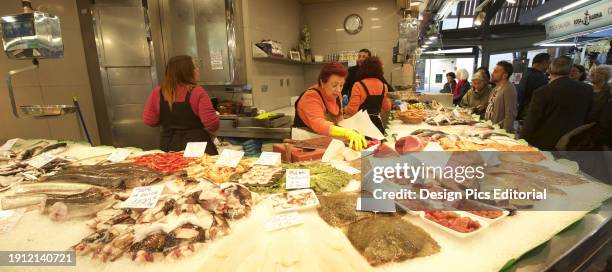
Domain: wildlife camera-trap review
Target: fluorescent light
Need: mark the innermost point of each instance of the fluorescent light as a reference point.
(339, 29)
(414, 4)
(372, 8)
(425, 46)
(557, 44)
(433, 38)
(428, 42)
(555, 12)
(374, 19)
(575, 4)
(375, 27)
(511, 1)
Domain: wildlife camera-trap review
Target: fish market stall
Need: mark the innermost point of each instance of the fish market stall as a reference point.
(217, 213)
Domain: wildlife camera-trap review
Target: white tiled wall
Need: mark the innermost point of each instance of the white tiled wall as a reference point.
(379, 33)
(55, 82)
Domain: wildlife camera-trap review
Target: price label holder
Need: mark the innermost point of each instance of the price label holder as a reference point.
(143, 197)
(230, 158)
(195, 149)
(297, 179)
(284, 220)
(41, 160)
(269, 158)
(120, 154)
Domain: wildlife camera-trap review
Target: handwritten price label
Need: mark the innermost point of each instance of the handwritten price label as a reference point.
(269, 158)
(41, 160)
(8, 145)
(195, 149)
(297, 179)
(143, 197)
(284, 220)
(120, 154)
(10, 218)
(230, 158)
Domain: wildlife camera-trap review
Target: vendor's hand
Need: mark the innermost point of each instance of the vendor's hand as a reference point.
(356, 140)
(479, 108)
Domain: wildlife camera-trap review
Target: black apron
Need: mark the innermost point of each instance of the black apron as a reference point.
(373, 105)
(299, 123)
(180, 126)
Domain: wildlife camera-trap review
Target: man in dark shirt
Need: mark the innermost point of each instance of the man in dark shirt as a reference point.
(353, 75)
(533, 78)
(556, 108)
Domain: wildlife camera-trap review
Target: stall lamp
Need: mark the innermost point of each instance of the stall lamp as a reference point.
(433, 38)
(479, 18)
(511, 1)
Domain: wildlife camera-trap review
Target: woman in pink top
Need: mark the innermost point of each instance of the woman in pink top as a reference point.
(182, 108)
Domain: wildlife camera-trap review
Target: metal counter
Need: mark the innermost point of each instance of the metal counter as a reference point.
(581, 247)
(245, 127)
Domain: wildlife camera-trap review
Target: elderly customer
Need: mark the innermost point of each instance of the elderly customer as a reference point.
(477, 98)
(557, 108)
(462, 86)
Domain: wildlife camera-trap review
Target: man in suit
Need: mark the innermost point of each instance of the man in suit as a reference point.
(556, 108)
(533, 78)
(353, 76)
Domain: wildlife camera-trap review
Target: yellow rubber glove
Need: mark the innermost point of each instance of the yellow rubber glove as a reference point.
(266, 115)
(356, 140)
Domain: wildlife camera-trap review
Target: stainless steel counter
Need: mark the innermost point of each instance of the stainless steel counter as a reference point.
(580, 246)
(248, 127)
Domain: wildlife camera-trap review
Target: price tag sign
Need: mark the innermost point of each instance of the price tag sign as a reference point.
(284, 220)
(10, 218)
(41, 160)
(143, 197)
(352, 63)
(346, 168)
(269, 158)
(8, 145)
(120, 154)
(375, 205)
(195, 149)
(403, 107)
(297, 179)
(230, 158)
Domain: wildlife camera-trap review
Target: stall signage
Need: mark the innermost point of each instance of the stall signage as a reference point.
(584, 19)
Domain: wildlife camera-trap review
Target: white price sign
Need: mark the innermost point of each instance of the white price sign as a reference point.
(403, 107)
(143, 197)
(8, 145)
(195, 149)
(346, 168)
(10, 218)
(230, 158)
(120, 154)
(297, 179)
(41, 160)
(269, 158)
(284, 220)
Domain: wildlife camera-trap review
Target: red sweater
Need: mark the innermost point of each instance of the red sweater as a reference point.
(199, 101)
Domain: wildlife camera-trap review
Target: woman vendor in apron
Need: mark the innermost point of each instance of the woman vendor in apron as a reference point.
(182, 108)
(319, 109)
(370, 93)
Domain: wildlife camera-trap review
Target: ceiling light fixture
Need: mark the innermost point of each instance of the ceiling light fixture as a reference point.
(511, 1)
(555, 12)
(372, 8)
(428, 42)
(557, 44)
(433, 38)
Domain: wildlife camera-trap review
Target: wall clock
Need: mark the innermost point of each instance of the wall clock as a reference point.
(353, 24)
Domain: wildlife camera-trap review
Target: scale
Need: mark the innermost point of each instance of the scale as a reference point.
(34, 35)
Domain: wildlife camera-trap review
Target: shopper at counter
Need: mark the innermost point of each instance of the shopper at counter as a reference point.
(501, 109)
(533, 78)
(462, 86)
(450, 84)
(370, 92)
(578, 73)
(182, 108)
(601, 90)
(556, 108)
(477, 98)
(319, 109)
(353, 74)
